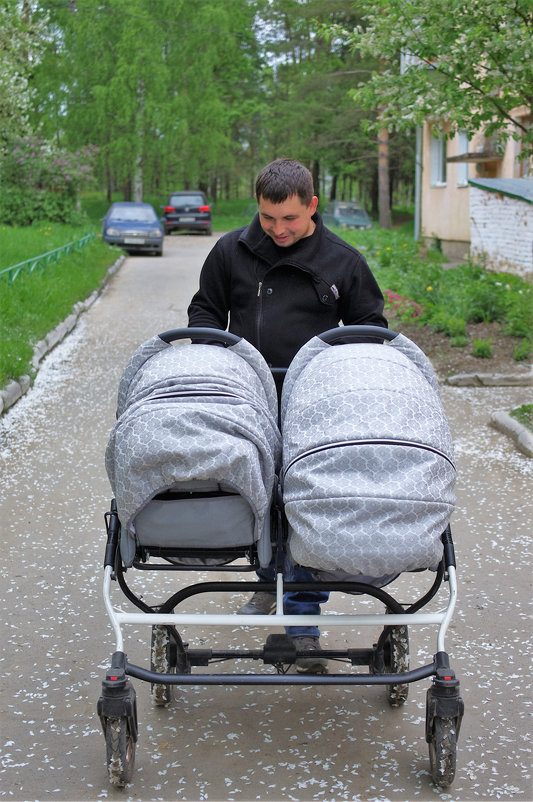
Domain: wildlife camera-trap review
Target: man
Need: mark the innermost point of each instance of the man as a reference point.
(280, 281)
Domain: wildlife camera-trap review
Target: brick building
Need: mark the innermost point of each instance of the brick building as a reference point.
(454, 171)
(501, 223)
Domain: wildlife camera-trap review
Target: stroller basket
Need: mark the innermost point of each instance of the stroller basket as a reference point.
(210, 499)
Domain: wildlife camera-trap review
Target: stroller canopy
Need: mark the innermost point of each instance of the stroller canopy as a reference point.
(368, 472)
(194, 412)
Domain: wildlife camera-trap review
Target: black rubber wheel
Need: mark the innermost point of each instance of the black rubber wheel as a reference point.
(442, 751)
(396, 656)
(120, 751)
(160, 660)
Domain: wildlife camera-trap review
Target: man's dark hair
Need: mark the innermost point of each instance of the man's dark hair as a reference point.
(283, 178)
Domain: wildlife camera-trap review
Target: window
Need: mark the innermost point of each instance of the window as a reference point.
(462, 167)
(438, 161)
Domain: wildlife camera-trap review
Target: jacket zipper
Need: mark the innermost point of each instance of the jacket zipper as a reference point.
(259, 315)
(408, 443)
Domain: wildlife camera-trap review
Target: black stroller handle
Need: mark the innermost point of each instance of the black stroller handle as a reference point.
(217, 335)
(342, 332)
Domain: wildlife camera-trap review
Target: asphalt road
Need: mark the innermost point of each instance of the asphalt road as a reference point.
(217, 743)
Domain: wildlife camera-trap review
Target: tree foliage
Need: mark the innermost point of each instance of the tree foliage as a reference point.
(311, 113)
(156, 85)
(184, 93)
(21, 44)
(463, 64)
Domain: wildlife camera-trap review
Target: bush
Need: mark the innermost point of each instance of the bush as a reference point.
(520, 312)
(482, 349)
(448, 324)
(20, 208)
(41, 181)
(522, 350)
(485, 302)
(460, 341)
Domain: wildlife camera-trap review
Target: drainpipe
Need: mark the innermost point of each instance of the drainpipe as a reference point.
(418, 183)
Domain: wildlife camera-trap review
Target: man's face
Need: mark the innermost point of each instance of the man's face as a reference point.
(287, 222)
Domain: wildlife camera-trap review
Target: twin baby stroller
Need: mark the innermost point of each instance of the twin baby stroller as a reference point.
(352, 478)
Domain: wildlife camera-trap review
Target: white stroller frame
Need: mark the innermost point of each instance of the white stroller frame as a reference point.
(171, 659)
(279, 618)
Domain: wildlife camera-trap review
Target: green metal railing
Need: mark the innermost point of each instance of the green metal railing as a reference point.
(47, 258)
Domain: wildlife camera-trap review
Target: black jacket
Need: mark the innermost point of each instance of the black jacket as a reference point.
(279, 298)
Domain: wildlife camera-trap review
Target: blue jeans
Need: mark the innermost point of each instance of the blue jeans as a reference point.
(302, 602)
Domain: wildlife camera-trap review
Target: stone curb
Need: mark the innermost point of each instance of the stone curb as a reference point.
(13, 390)
(521, 435)
(501, 420)
(491, 379)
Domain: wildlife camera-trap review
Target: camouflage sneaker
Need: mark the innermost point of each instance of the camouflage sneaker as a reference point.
(261, 603)
(309, 665)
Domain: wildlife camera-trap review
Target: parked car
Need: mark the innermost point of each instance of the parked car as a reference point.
(187, 211)
(346, 214)
(133, 227)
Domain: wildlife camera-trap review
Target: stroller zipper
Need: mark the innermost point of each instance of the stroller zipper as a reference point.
(373, 442)
(195, 393)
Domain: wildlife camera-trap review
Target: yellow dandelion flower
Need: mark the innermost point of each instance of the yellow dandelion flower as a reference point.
(429, 289)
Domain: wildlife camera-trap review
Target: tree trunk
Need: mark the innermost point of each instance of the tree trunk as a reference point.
(138, 177)
(333, 190)
(383, 179)
(138, 180)
(109, 179)
(316, 176)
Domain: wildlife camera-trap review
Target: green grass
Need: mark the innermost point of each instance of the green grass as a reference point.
(231, 214)
(19, 244)
(34, 303)
(418, 288)
(524, 415)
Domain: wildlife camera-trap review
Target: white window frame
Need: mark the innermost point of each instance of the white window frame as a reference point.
(437, 156)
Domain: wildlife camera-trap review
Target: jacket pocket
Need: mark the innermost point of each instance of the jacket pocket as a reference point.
(326, 294)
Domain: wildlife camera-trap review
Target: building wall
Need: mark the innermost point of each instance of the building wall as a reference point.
(501, 231)
(445, 208)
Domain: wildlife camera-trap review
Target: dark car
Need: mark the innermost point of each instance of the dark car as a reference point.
(346, 214)
(187, 211)
(133, 227)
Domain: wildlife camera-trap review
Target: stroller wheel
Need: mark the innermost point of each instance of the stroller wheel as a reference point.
(120, 750)
(161, 662)
(396, 657)
(442, 751)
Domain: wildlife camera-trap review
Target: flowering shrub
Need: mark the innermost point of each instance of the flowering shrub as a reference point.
(402, 307)
(41, 181)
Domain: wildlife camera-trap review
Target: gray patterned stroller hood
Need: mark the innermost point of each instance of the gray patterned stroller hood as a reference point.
(368, 473)
(194, 417)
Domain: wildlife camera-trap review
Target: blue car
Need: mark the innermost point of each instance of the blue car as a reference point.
(133, 227)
